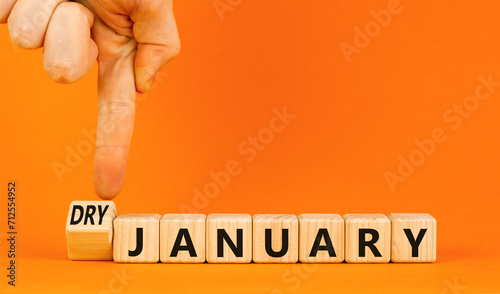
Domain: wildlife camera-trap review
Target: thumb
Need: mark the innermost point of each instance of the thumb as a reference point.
(156, 32)
(116, 109)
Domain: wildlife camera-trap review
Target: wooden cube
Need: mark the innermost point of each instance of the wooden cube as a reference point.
(413, 237)
(182, 238)
(229, 238)
(89, 230)
(367, 238)
(137, 238)
(321, 238)
(275, 238)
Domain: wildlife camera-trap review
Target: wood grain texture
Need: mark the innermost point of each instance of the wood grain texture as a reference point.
(91, 238)
(230, 223)
(378, 222)
(276, 223)
(309, 229)
(126, 233)
(401, 248)
(170, 228)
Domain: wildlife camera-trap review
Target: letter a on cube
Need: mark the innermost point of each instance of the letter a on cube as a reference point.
(321, 238)
(137, 238)
(413, 237)
(182, 238)
(89, 230)
(367, 238)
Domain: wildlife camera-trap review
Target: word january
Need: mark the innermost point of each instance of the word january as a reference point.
(95, 232)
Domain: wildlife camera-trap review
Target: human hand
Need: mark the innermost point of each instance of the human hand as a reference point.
(131, 40)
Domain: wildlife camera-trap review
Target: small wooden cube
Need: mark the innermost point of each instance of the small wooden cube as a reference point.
(321, 238)
(367, 238)
(229, 238)
(182, 238)
(137, 238)
(89, 230)
(413, 237)
(275, 238)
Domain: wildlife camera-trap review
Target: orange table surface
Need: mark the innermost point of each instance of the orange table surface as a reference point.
(357, 119)
(450, 274)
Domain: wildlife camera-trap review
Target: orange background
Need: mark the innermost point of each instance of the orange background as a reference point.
(353, 122)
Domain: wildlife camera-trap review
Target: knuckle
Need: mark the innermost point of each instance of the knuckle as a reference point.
(174, 48)
(169, 50)
(70, 12)
(23, 34)
(107, 149)
(120, 107)
(71, 7)
(115, 115)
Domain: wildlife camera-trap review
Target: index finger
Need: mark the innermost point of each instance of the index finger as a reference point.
(116, 109)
